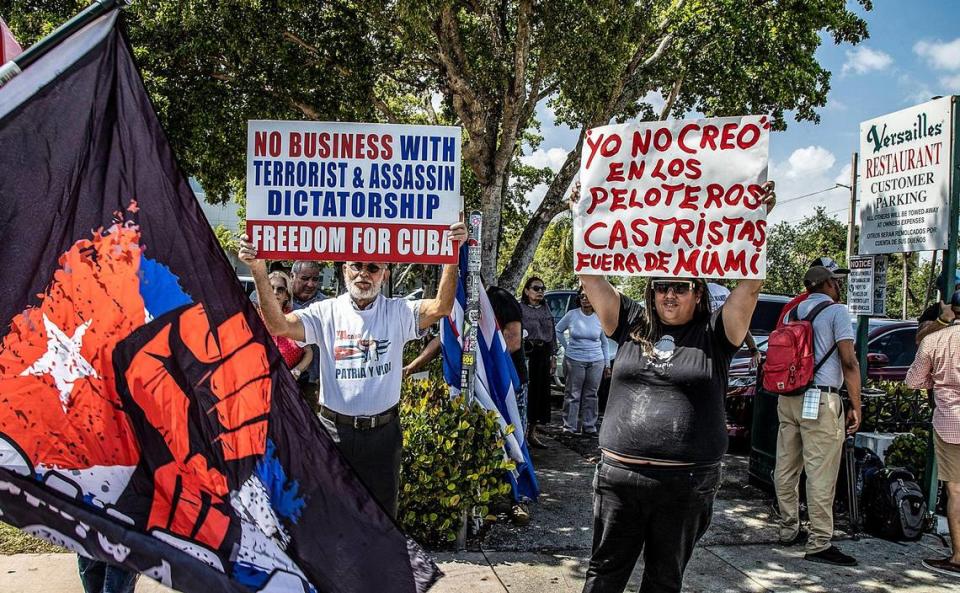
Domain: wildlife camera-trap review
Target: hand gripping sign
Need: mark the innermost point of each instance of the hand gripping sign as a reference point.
(675, 198)
(353, 192)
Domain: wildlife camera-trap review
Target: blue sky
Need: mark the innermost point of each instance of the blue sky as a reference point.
(913, 54)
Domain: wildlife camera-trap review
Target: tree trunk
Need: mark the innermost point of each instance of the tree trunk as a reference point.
(491, 197)
(553, 203)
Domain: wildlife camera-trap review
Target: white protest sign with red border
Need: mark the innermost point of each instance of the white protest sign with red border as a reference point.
(676, 198)
(353, 191)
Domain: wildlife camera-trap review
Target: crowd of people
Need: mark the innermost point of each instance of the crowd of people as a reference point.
(663, 434)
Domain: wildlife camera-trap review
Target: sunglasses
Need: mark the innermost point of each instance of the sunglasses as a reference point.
(538, 288)
(679, 287)
(359, 267)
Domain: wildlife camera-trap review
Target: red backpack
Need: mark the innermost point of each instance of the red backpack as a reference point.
(789, 365)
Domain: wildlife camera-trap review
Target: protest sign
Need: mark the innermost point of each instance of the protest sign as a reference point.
(349, 191)
(676, 198)
(905, 179)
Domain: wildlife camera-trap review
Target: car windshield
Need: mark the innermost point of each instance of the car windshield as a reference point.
(765, 316)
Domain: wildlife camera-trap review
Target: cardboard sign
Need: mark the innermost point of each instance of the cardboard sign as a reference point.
(353, 192)
(904, 184)
(860, 285)
(676, 198)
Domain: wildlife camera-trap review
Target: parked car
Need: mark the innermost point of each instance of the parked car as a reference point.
(891, 348)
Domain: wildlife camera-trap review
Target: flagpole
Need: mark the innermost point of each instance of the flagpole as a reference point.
(40, 48)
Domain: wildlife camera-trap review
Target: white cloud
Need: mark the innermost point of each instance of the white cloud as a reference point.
(942, 55)
(535, 196)
(812, 160)
(809, 171)
(863, 59)
(552, 158)
(656, 101)
(951, 83)
(844, 175)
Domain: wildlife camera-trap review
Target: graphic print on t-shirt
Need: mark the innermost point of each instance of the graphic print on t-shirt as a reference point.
(359, 357)
(663, 351)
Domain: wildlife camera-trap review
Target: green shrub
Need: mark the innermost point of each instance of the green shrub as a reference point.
(899, 410)
(909, 451)
(453, 461)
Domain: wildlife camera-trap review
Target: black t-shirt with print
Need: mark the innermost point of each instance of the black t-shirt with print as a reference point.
(669, 405)
(507, 310)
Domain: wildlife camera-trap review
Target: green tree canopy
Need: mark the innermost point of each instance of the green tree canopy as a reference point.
(596, 61)
(210, 66)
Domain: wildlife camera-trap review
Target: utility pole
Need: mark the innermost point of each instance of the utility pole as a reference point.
(863, 321)
(852, 221)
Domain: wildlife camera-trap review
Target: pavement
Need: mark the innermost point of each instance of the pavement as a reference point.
(738, 554)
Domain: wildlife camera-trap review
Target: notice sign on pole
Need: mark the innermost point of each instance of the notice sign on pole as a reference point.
(353, 192)
(880, 285)
(675, 198)
(905, 179)
(860, 285)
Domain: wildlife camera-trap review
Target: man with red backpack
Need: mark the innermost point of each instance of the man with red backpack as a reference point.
(825, 261)
(808, 361)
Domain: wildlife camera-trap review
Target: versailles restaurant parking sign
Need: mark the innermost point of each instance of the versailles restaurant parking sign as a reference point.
(904, 201)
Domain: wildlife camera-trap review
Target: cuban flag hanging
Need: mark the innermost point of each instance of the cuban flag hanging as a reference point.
(496, 380)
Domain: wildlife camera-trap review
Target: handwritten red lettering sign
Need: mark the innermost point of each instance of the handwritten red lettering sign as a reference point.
(677, 198)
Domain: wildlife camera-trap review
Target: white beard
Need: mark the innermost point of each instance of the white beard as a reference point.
(363, 295)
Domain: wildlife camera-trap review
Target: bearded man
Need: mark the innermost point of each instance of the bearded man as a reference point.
(360, 391)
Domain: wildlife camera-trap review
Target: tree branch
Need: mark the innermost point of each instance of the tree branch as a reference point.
(672, 97)
(305, 109)
(385, 110)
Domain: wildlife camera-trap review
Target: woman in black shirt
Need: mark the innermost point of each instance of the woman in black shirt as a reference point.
(664, 431)
(540, 344)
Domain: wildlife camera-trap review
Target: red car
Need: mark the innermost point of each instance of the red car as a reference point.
(891, 348)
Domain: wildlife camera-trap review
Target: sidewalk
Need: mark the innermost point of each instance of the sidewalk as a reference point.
(738, 554)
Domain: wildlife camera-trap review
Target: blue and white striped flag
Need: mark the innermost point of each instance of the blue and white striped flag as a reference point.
(496, 383)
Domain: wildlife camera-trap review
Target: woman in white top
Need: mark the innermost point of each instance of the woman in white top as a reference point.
(584, 363)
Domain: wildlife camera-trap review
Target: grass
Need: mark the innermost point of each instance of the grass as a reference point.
(14, 541)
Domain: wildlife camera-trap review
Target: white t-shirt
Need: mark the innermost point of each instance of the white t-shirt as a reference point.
(361, 351)
(832, 325)
(718, 295)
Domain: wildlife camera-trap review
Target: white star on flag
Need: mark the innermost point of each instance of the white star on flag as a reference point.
(62, 360)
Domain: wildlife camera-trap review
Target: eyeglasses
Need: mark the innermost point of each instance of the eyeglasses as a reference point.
(540, 288)
(679, 287)
(359, 267)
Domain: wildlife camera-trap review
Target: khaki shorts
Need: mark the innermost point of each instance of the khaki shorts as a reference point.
(948, 459)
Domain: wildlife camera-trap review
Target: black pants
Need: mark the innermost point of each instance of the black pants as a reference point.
(100, 577)
(538, 392)
(661, 512)
(375, 455)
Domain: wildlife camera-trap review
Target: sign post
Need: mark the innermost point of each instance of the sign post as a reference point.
(471, 316)
(908, 197)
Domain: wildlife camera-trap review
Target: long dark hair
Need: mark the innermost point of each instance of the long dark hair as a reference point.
(526, 285)
(649, 329)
